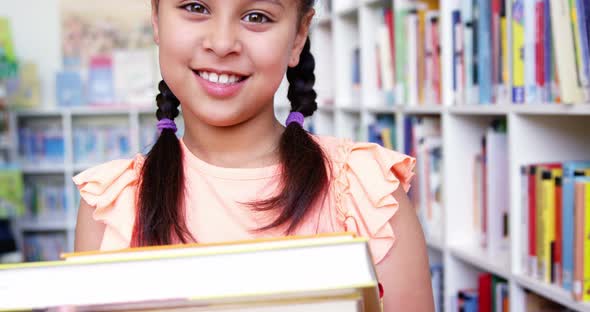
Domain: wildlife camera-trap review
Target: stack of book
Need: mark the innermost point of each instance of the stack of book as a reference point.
(330, 272)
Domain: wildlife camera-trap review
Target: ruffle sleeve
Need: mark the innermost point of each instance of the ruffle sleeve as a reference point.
(111, 189)
(365, 178)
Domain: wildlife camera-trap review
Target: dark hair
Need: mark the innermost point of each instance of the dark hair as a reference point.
(304, 177)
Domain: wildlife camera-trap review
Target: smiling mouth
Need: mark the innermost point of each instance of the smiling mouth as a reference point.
(222, 79)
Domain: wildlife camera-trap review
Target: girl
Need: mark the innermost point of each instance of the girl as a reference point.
(238, 173)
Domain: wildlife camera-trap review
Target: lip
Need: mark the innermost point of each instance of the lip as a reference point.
(218, 90)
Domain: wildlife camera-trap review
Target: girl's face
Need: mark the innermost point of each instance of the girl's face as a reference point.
(225, 59)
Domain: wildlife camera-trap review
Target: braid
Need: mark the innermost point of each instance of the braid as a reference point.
(160, 217)
(305, 172)
(167, 103)
(301, 80)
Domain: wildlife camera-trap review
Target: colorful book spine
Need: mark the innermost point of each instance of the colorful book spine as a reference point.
(571, 169)
(504, 90)
(565, 53)
(540, 49)
(468, 32)
(484, 52)
(518, 39)
(458, 57)
(586, 282)
(548, 55)
(558, 250)
(580, 189)
(582, 44)
(532, 207)
(530, 90)
(524, 222)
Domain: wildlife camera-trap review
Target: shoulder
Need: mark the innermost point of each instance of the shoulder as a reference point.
(109, 189)
(367, 160)
(365, 179)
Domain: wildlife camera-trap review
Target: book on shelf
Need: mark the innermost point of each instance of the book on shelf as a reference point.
(383, 131)
(436, 276)
(334, 270)
(424, 141)
(546, 61)
(11, 192)
(555, 220)
(490, 295)
(490, 190)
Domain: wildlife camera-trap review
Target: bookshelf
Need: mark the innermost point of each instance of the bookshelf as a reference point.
(538, 132)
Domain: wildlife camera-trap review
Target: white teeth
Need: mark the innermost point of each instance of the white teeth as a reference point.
(221, 79)
(213, 77)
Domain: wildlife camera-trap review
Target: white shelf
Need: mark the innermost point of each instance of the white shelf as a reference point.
(426, 109)
(350, 109)
(492, 110)
(552, 292)
(498, 264)
(383, 109)
(43, 168)
(326, 108)
(435, 243)
(45, 225)
(552, 109)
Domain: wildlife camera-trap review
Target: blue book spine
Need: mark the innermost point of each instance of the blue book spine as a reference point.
(548, 54)
(584, 43)
(529, 52)
(467, 17)
(457, 43)
(567, 231)
(484, 52)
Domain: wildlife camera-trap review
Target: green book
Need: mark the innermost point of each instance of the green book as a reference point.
(11, 192)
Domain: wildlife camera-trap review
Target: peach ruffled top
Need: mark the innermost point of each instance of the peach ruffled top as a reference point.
(360, 200)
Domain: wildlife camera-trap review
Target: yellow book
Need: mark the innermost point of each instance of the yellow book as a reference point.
(548, 220)
(386, 138)
(505, 87)
(586, 256)
(518, 56)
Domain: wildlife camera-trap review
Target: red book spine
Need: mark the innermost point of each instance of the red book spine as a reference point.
(484, 198)
(485, 292)
(389, 19)
(540, 43)
(496, 52)
(532, 213)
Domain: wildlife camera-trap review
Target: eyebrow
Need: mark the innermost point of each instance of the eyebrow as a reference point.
(275, 2)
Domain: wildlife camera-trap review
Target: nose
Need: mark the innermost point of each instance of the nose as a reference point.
(223, 39)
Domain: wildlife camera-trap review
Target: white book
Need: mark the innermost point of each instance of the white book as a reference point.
(497, 193)
(245, 275)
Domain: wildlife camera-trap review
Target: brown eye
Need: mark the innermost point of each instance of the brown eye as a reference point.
(256, 18)
(196, 8)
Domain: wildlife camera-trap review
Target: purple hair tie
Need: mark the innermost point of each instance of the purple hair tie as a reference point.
(295, 117)
(166, 123)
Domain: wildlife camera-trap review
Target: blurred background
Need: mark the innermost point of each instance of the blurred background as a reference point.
(492, 97)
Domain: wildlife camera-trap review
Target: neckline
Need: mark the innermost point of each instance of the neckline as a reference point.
(228, 173)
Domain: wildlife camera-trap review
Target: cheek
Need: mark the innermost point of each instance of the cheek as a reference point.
(271, 57)
(175, 51)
